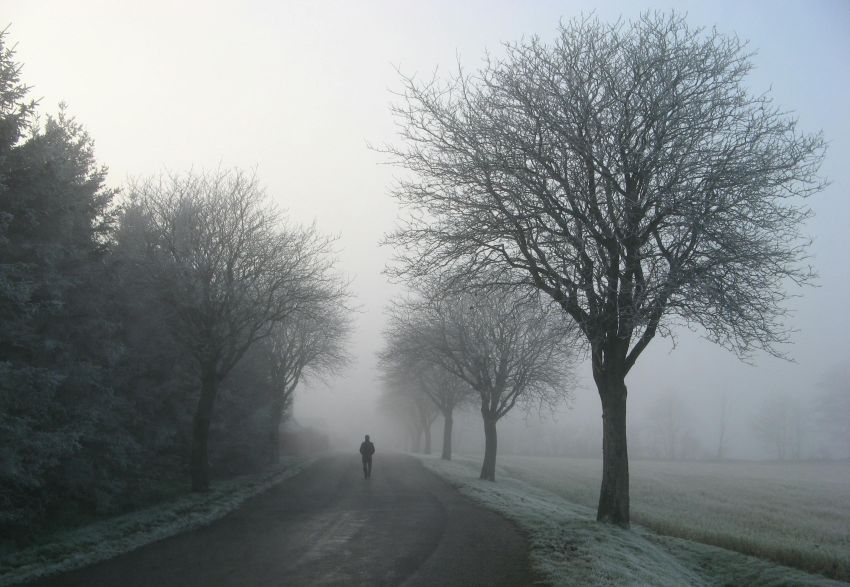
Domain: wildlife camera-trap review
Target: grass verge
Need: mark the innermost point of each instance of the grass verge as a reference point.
(72, 549)
(795, 514)
(568, 546)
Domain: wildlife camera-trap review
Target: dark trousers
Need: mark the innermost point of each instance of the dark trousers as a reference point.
(367, 467)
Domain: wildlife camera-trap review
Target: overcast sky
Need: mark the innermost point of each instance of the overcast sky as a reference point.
(298, 89)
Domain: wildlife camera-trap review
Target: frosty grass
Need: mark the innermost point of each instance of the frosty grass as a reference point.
(108, 538)
(568, 546)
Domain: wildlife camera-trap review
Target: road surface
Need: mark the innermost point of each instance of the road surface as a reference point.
(329, 526)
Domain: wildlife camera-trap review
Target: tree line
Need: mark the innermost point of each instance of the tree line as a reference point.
(147, 335)
(493, 348)
(625, 172)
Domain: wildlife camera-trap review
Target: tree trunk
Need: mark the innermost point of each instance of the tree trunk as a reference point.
(722, 439)
(275, 417)
(448, 423)
(416, 441)
(720, 443)
(488, 468)
(614, 493)
(199, 465)
(427, 429)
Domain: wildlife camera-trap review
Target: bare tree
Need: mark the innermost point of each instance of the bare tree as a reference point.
(723, 437)
(395, 404)
(668, 423)
(309, 343)
(625, 171)
(228, 269)
(780, 425)
(406, 360)
(412, 408)
(833, 406)
(508, 348)
(448, 392)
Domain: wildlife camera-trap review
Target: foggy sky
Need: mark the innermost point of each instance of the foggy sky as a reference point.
(298, 89)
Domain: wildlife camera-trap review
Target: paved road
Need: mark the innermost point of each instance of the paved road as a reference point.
(329, 526)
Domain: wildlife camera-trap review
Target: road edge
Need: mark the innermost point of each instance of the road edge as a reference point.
(106, 539)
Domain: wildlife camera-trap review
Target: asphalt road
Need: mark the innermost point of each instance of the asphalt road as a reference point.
(329, 526)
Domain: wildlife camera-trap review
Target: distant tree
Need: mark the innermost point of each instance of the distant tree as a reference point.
(309, 343)
(833, 406)
(405, 361)
(668, 424)
(510, 349)
(410, 408)
(723, 425)
(625, 171)
(428, 413)
(780, 426)
(228, 269)
(448, 392)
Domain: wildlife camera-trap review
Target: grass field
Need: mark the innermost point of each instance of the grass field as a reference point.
(795, 514)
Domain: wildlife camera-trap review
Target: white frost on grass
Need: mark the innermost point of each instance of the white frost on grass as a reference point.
(796, 514)
(568, 546)
(80, 547)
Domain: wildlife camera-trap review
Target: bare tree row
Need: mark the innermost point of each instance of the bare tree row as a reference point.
(141, 334)
(626, 172)
(232, 275)
(492, 347)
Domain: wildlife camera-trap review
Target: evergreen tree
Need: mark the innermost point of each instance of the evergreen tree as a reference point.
(56, 404)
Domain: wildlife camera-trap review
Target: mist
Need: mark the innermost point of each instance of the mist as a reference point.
(309, 90)
(299, 97)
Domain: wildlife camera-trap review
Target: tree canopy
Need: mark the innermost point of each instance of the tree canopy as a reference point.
(511, 349)
(113, 305)
(626, 171)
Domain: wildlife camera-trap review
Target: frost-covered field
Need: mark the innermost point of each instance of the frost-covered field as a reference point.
(797, 514)
(568, 547)
(102, 540)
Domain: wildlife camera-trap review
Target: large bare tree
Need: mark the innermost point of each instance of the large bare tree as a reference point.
(509, 348)
(229, 269)
(626, 171)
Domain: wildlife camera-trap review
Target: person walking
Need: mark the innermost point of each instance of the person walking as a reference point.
(367, 449)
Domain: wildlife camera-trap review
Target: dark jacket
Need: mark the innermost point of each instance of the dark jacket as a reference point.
(367, 449)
